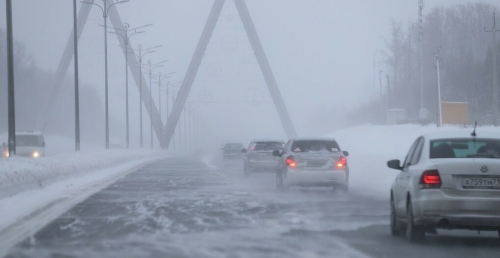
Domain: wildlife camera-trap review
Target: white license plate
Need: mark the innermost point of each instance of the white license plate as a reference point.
(483, 182)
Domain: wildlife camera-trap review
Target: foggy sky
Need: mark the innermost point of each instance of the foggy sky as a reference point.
(322, 52)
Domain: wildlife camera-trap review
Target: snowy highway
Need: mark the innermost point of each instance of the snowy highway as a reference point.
(182, 207)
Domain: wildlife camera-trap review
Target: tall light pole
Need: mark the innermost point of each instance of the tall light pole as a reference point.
(150, 68)
(439, 114)
(77, 93)
(168, 91)
(10, 75)
(423, 113)
(160, 79)
(495, 71)
(140, 56)
(105, 11)
(126, 39)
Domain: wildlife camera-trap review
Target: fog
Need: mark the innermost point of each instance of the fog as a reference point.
(323, 53)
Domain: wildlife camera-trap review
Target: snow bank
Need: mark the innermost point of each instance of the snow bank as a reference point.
(18, 174)
(370, 147)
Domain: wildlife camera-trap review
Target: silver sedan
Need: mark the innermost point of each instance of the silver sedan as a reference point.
(312, 162)
(448, 180)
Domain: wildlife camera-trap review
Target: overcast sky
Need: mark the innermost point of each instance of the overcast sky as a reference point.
(321, 52)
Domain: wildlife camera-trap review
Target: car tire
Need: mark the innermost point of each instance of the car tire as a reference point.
(395, 227)
(413, 232)
(246, 171)
(281, 181)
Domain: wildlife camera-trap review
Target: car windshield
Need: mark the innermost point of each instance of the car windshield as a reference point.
(465, 148)
(267, 146)
(234, 146)
(27, 141)
(315, 146)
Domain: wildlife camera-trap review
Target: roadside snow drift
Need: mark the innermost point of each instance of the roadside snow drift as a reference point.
(370, 147)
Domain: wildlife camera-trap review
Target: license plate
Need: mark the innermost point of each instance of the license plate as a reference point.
(315, 164)
(481, 182)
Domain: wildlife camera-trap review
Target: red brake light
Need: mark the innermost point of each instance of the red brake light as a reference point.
(430, 179)
(342, 162)
(290, 161)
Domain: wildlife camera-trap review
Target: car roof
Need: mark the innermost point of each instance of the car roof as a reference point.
(267, 140)
(461, 133)
(313, 139)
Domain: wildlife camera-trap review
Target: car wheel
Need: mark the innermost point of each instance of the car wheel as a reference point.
(395, 230)
(246, 171)
(413, 232)
(281, 181)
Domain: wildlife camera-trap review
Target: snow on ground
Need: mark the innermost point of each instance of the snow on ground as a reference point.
(370, 147)
(50, 185)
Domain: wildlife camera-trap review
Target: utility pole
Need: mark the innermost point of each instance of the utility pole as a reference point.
(77, 94)
(439, 116)
(388, 90)
(380, 81)
(495, 85)
(424, 113)
(10, 75)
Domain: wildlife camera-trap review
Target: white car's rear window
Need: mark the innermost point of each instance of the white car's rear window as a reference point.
(465, 148)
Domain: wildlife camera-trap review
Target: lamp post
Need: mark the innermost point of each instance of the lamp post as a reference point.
(77, 93)
(140, 56)
(168, 91)
(10, 75)
(160, 79)
(105, 11)
(126, 40)
(150, 68)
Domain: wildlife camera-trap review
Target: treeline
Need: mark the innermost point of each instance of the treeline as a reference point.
(466, 53)
(32, 84)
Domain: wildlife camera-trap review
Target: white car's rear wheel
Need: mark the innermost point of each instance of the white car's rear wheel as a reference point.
(395, 230)
(281, 181)
(413, 232)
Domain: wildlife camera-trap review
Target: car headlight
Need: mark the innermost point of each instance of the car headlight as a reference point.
(7, 154)
(36, 154)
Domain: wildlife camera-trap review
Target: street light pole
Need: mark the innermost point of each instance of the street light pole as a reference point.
(140, 56)
(10, 75)
(77, 94)
(495, 71)
(126, 40)
(105, 11)
(150, 69)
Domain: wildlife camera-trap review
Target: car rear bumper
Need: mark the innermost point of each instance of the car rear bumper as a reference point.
(316, 178)
(434, 209)
(262, 164)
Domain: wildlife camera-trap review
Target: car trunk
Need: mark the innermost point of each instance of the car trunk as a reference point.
(316, 161)
(469, 177)
(262, 156)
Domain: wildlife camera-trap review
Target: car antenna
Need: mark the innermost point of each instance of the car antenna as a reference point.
(474, 131)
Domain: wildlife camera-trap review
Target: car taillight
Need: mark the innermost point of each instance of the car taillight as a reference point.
(290, 161)
(430, 179)
(341, 163)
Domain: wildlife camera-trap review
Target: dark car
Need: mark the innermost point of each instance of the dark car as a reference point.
(233, 151)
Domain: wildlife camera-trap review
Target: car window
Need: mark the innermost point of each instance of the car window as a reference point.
(28, 141)
(410, 153)
(287, 146)
(465, 148)
(418, 151)
(234, 146)
(267, 146)
(315, 146)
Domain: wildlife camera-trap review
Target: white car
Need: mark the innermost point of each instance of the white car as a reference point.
(448, 180)
(312, 162)
(30, 144)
